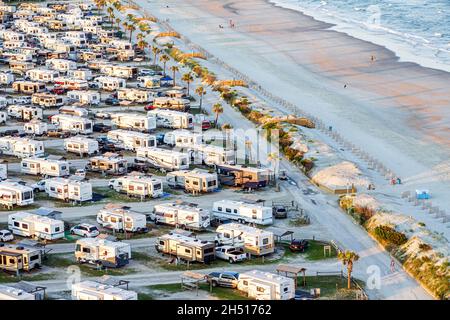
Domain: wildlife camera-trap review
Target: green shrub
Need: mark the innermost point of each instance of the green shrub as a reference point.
(390, 235)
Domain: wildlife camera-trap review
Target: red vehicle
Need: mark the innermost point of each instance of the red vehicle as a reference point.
(58, 90)
(149, 107)
(206, 125)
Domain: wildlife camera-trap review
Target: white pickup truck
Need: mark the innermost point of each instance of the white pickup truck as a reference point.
(230, 253)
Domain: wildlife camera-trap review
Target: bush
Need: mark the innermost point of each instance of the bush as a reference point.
(390, 235)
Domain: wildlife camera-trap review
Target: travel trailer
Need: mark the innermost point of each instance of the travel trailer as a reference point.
(163, 159)
(27, 224)
(186, 248)
(42, 75)
(261, 285)
(92, 290)
(73, 124)
(6, 78)
(21, 147)
(130, 140)
(68, 189)
(149, 82)
(255, 241)
(181, 215)
(243, 176)
(119, 71)
(20, 67)
(47, 100)
(25, 113)
(196, 180)
(120, 44)
(109, 254)
(62, 65)
(45, 167)
(14, 194)
(211, 155)
(74, 111)
(88, 97)
(175, 93)
(80, 74)
(35, 127)
(12, 293)
(15, 258)
(133, 121)
(135, 95)
(111, 83)
(172, 103)
(138, 186)
(71, 83)
(89, 55)
(243, 212)
(28, 87)
(112, 217)
(172, 119)
(81, 145)
(109, 163)
(182, 138)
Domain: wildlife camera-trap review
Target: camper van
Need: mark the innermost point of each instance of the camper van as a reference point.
(261, 285)
(47, 100)
(112, 217)
(92, 290)
(196, 180)
(88, 97)
(163, 159)
(25, 113)
(243, 176)
(45, 167)
(81, 145)
(35, 127)
(135, 95)
(181, 214)
(6, 78)
(134, 121)
(211, 155)
(255, 241)
(138, 186)
(172, 103)
(21, 147)
(186, 248)
(109, 163)
(183, 138)
(172, 119)
(68, 189)
(130, 140)
(73, 124)
(42, 75)
(15, 258)
(111, 83)
(14, 194)
(28, 87)
(109, 254)
(27, 224)
(74, 111)
(243, 212)
(119, 71)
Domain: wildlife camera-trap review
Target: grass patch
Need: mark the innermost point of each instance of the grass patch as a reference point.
(145, 296)
(218, 292)
(331, 286)
(10, 277)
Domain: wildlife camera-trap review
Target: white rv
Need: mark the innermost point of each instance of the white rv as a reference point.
(135, 95)
(32, 225)
(17, 258)
(261, 285)
(256, 241)
(139, 186)
(74, 111)
(181, 214)
(111, 83)
(6, 78)
(163, 159)
(172, 119)
(71, 83)
(196, 180)
(25, 113)
(45, 167)
(20, 67)
(91, 290)
(130, 140)
(89, 97)
(21, 147)
(172, 103)
(110, 163)
(81, 145)
(47, 100)
(119, 71)
(73, 124)
(68, 189)
(149, 82)
(243, 212)
(120, 44)
(80, 74)
(211, 155)
(28, 87)
(62, 65)
(35, 127)
(42, 75)
(182, 138)
(12, 293)
(134, 121)
(15, 194)
(113, 217)
(110, 254)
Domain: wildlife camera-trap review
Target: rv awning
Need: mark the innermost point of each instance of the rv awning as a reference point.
(290, 269)
(28, 287)
(166, 78)
(280, 233)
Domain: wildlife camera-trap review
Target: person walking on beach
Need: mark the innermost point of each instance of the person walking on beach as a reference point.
(372, 58)
(345, 86)
(392, 265)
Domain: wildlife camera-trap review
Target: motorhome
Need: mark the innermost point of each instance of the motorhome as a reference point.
(130, 140)
(111, 83)
(172, 103)
(15, 258)
(20, 67)
(181, 214)
(109, 163)
(149, 82)
(6, 78)
(119, 71)
(74, 111)
(14, 194)
(210, 154)
(47, 100)
(162, 158)
(21, 147)
(73, 124)
(134, 121)
(80, 74)
(243, 176)
(135, 95)
(68, 189)
(243, 212)
(257, 242)
(113, 217)
(186, 248)
(86, 97)
(110, 254)
(45, 167)
(28, 87)
(172, 119)
(81, 145)
(35, 127)
(42, 75)
(262, 285)
(62, 65)
(138, 186)
(182, 138)
(71, 83)
(27, 224)
(92, 290)
(25, 113)
(196, 180)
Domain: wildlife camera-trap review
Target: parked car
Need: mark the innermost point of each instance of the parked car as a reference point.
(279, 212)
(231, 254)
(10, 132)
(142, 167)
(6, 235)
(223, 279)
(103, 115)
(101, 127)
(94, 85)
(58, 90)
(112, 101)
(149, 107)
(55, 133)
(160, 138)
(38, 186)
(81, 173)
(299, 245)
(146, 72)
(110, 147)
(206, 124)
(85, 230)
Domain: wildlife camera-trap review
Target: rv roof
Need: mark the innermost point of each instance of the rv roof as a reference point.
(186, 240)
(240, 203)
(35, 217)
(14, 186)
(244, 228)
(102, 242)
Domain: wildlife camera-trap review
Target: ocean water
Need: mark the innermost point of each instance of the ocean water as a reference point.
(416, 30)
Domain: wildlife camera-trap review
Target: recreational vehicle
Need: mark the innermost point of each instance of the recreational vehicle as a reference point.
(35, 127)
(20, 67)
(120, 44)
(110, 254)
(196, 180)
(138, 186)
(130, 140)
(17, 258)
(211, 155)
(149, 82)
(113, 217)
(255, 241)
(92, 290)
(243, 212)
(125, 55)
(261, 285)
(181, 214)
(243, 176)
(28, 87)
(90, 55)
(186, 248)
(25, 113)
(71, 83)
(81, 145)
(183, 138)
(42, 75)
(134, 121)
(172, 103)
(27, 224)
(73, 124)
(74, 111)
(21, 147)
(135, 95)
(109, 163)
(62, 65)
(88, 97)
(47, 100)
(6, 78)
(14, 194)
(68, 189)
(45, 167)
(172, 119)
(12, 293)
(163, 159)
(119, 71)
(111, 83)
(80, 74)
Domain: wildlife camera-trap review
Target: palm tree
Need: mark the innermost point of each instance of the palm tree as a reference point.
(155, 51)
(201, 92)
(174, 69)
(187, 77)
(118, 21)
(110, 11)
(131, 27)
(100, 4)
(226, 127)
(348, 258)
(164, 58)
(217, 109)
(142, 43)
(131, 17)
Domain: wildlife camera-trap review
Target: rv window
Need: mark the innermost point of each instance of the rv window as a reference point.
(228, 210)
(86, 250)
(195, 183)
(208, 250)
(187, 251)
(35, 257)
(235, 210)
(260, 289)
(11, 261)
(266, 241)
(16, 224)
(219, 208)
(199, 252)
(286, 289)
(113, 219)
(57, 229)
(46, 230)
(161, 242)
(227, 235)
(24, 226)
(78, 248)
(245, 283)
